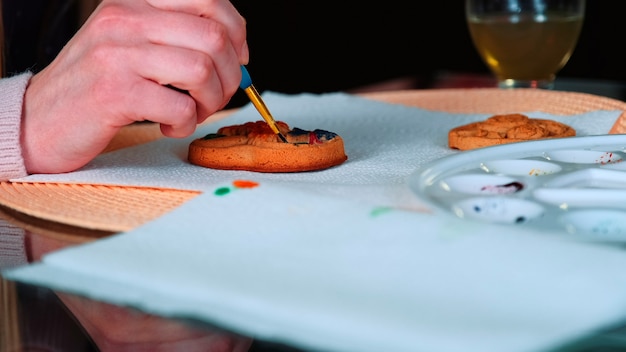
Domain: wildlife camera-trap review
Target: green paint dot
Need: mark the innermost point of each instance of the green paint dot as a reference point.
(222, 191)
(380, 210)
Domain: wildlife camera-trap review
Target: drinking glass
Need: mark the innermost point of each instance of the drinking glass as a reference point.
(525, 43)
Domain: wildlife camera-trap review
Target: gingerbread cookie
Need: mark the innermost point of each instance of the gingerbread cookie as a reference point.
(502, 129)
(253, 146)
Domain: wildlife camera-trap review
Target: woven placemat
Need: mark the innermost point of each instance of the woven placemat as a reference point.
(121, 208)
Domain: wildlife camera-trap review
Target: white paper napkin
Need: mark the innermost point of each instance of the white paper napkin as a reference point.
(329, 260)
(293, 267)
(384, 143)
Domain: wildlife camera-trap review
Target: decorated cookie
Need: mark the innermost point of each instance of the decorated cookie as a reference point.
(253, 146)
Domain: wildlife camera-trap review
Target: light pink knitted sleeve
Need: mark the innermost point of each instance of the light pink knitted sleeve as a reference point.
(11, 99)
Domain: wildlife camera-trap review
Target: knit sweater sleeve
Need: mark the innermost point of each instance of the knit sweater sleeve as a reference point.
(11, 99)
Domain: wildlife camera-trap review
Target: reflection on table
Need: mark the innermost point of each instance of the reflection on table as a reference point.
(36, 318)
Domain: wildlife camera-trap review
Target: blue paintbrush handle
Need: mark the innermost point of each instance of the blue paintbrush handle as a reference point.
(246, 81)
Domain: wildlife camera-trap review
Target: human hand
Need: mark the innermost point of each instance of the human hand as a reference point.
(116, 71)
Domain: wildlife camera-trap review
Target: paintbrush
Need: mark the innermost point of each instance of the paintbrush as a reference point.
(257, 101)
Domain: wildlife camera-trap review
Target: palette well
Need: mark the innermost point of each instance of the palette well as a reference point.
(574, 187)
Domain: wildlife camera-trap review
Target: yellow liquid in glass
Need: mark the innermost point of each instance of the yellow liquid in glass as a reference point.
(525, 48)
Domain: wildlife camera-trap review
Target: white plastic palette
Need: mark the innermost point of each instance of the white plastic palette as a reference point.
(575, 186)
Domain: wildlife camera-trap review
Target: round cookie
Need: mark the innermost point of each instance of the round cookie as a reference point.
(253, 146)
(506, 128)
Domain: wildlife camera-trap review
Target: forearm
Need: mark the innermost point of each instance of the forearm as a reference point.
(11, 101)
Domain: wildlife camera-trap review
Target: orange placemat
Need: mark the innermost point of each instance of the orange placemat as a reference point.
(121, 208)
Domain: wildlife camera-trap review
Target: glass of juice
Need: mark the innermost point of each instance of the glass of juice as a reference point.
(525, 43)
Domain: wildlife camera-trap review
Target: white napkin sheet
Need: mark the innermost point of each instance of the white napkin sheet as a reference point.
(384, 143)
(337, 276)
(328, 260)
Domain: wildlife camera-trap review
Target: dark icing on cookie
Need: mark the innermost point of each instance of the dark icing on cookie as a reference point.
(297, 132)
(315, 137)
(260, 129)
(213, 136)
(324, 135)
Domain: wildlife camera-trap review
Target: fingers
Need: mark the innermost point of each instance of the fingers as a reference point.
(174, 111)
(209, 69)
(147, 96)
(210, 79)
(184, 50)
(221, 11)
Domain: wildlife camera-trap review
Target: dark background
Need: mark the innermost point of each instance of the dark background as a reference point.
(325, 46)
(321, 46)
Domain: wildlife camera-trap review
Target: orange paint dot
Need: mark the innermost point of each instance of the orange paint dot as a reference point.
(245, 184)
